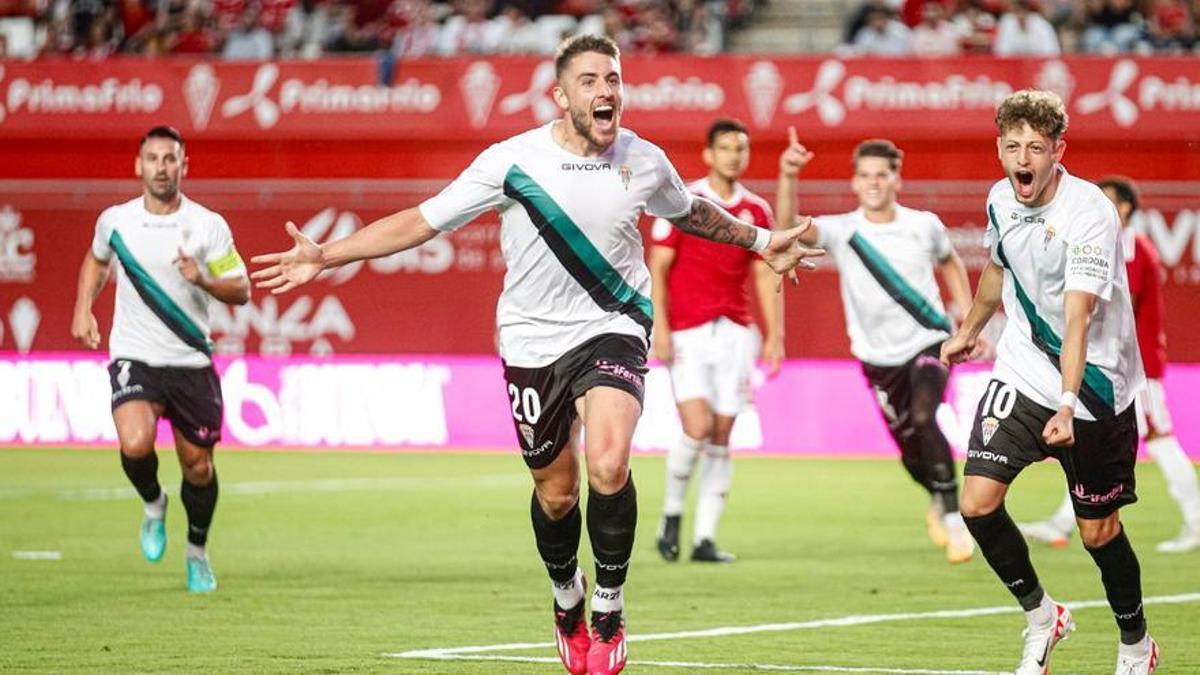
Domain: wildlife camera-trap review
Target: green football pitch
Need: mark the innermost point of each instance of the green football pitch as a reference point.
(395, 562)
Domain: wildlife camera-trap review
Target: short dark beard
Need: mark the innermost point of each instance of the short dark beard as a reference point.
(167, 196)
(581, 120)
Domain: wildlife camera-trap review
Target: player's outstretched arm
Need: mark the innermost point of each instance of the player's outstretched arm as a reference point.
(965, 343)
(1078, 307)
(791, 162)
(92, 275)
(305, 260)
(780, 249)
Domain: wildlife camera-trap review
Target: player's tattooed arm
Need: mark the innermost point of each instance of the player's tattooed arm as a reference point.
(780, 249)
(706, 219)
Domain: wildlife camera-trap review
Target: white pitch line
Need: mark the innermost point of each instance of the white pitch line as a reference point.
(37, 555)
(281, 486)
(852, 620)
(693, 665)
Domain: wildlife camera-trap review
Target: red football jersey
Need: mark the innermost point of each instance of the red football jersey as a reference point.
(1146, 276)
(707, 279)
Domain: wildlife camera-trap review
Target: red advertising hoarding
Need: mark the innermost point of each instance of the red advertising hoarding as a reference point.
(665, 97)
(326, 145)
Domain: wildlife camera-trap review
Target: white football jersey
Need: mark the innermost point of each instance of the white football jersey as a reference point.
(1070, 244)
(893, 306)
(161, 319)
(569, 235)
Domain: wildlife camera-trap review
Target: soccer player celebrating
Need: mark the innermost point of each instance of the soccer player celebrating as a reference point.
(886, 254)
(574, 317)
(1067, 371)
(702, 332)
(1145, 273)
(175, 256)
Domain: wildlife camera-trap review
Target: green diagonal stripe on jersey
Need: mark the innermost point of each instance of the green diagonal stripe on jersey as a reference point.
(1096, 391)
(921, 310)
(576, 253)
(157, 299)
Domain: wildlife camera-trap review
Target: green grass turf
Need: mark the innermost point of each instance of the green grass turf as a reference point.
(436, 551)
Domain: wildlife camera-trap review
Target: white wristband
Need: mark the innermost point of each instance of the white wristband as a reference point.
(1069, 400)
(762, 239)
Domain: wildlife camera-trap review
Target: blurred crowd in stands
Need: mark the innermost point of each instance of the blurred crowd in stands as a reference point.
(933, 28)
(265, 29)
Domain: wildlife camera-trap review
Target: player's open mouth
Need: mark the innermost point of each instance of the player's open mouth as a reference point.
(1024, 182)
(604, 115)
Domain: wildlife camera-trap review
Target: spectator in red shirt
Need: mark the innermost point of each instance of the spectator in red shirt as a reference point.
(1171, 26)
(274, 14)
(194, 36)
(136, 18)
(226, 12)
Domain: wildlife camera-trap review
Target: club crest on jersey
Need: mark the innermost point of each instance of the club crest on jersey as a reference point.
(527, 434)
(989, 426)
(626, 173)
(1050, 232)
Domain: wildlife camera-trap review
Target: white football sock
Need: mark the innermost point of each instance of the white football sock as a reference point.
(1043, 614)
(1135, 651)
(1181, 477)
(569, 594)
(606, 600)
(196, 552)
(954, 522)
(716, 474)
(680, 460)
(156, 509)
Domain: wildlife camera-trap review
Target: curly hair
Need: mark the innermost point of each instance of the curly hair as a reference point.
(1043, 111)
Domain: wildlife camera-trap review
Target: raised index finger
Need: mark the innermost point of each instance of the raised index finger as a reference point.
(792, 138)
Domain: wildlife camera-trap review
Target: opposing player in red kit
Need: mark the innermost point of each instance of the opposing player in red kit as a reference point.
(702, 331)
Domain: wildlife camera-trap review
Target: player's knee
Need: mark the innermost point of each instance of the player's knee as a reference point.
(1097, 533)
(722, 430)
(699, 429)
(198, 470)
(608, 474)
(558, 503)
(973, 505)
(137, 443)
